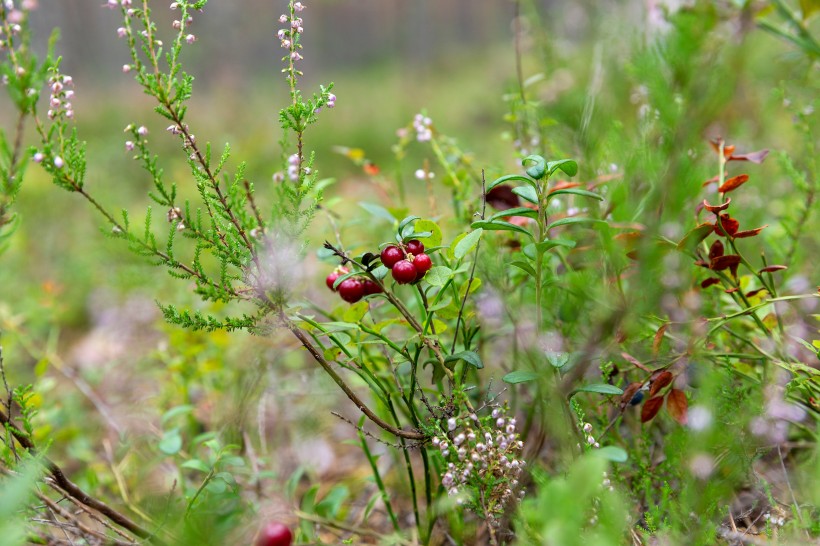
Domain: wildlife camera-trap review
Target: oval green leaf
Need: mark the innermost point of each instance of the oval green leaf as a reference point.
(574, 220)
(498, 225)
(519, 376)
(470, 357)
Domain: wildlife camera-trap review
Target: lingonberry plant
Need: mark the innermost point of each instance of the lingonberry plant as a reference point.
(506, 356)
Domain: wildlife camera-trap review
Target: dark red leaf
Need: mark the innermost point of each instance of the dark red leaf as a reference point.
(659, 382)
(502, 198)
(651, 408)
(724, 262)
(635, 362)
(711, 181)
(709, 282)
(755, 157)
(771, 268)
(629, 392)
(732, 290)
(701, 263)
(749, 232)
(656, 343)
(716, 250)
(716, 208)
(729, 224)
(754, 292)
(677, 405)
(733, 183)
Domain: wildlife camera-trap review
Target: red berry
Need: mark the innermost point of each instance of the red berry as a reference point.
(414, 247)
(422, 263)
(275, 534)
(404, 272)
(338, 272)
(390, 255)
(371, 288)
(351, 290)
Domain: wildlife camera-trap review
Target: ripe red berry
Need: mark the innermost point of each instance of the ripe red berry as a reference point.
(351, 290)
(414, 247)
(404, 272)
(274, 534)
(390, 255)
(371, 288)
(338, 272)
(422, 263)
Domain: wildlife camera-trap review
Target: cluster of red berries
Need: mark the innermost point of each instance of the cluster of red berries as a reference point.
(352, 289)
(409, 264)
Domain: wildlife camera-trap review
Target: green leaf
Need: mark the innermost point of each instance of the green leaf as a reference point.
(509, 178)
(470, 357)
(520, 376)
(171, 442)
(575, 191)
(611, 453)
(543, 246)
(517, 211)
(178, 410)
(569, 166)
(694, 236)
(439, 275)
(432, 240)
(599, 388)
(524, 266)
(467, 244)
(539, 169)
(498, 225)
(196, 464)
(574, 220)
(526, 193)
(406, 221)
(378, 212)
(558, 360)
(356, 312)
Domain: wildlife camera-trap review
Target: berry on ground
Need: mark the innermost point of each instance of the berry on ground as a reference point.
(422, 263)
(338, 272)
(371, 288)
(274, 534)
(351, 290)
(414, 247)
(404, 272)
(390, 255)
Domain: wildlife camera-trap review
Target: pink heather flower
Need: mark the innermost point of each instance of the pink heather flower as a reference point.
(177, 24)
(129, 145)
(293, 159)
(29, 5)
(300, 30)
(68, 94)
(190, 39)
(298, 6)
(126, 68)
(142, 130)
(20, 71)
(296, 23)
(69, 113)
(56, 87)
(174, 6)
(331, 100)
(58, 162)
(38, 157)
(281, 34)
(283, 18)
(125, 3)
(296, 57)
(121, 32)
(55, 102)
(111, 4)
(50, 114)
(68, 80)
(451, 423)
(286, 44)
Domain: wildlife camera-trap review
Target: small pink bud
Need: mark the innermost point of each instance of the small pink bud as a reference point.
(122, 32)
(38, 157)
(58, 162)
(129, 145)
(142, 130)
(190, 38)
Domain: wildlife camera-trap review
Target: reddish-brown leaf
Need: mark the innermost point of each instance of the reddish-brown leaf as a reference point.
(709, 282)
(732, 290)
(677, 405)
(755, 157)
(724, 262)
(629, 392)
(749, 232)
(711, 181)
(659, 382)
(755, 292)
(635, 362)
(632, 255)
(656, 343)
(564, 185)
(771, 268)
(651, 408)
(701, 263)
(716, 250)
(733, 183)
(729, 224)
(716, 208)
(502, 198)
